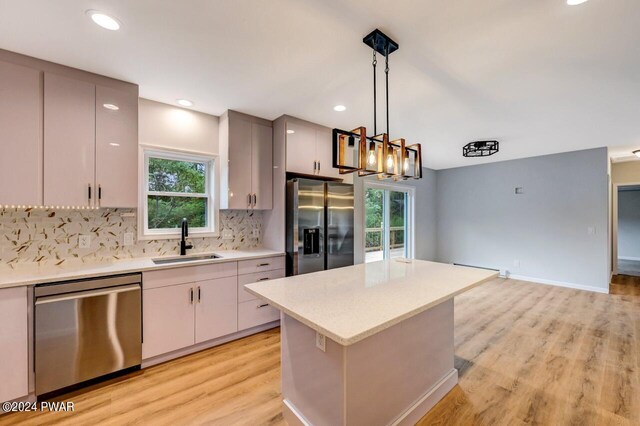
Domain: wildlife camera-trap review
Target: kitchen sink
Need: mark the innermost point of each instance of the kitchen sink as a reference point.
(181, 259)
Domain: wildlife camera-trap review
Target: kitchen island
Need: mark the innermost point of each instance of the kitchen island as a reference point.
(369, 344)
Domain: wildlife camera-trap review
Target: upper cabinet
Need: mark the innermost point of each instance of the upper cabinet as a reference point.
(69, 134)
(309, 149)
(20, 135)
(69, 138)
(246, 162)
(116, 147)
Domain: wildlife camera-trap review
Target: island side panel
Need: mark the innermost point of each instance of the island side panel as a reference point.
(391, 371)
(312, 380)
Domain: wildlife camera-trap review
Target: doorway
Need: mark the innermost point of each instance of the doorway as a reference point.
(626, 229)
(388, 221)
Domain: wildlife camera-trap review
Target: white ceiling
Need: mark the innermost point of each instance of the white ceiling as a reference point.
(538, 75)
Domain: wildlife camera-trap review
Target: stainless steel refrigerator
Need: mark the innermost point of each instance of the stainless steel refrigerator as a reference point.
(319, 225)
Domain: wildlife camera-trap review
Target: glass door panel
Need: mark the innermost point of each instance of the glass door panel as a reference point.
(398, 223)
(374, 234)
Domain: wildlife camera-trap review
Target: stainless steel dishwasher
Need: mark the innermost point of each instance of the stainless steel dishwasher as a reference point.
(86, 329)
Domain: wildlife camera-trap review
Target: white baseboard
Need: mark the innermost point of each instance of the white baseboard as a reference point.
(629, 258)
(558, 283)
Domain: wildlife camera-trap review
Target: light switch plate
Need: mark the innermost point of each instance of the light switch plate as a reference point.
(128, 238)
(227, 234)
(84, 241)
(321, 342)
(255, 233)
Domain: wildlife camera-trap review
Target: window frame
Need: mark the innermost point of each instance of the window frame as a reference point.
(211, 193)
(410, 192)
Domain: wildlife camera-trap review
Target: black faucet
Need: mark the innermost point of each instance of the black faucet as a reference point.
(185, 233)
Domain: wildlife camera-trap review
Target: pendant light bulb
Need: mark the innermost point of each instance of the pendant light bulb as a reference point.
(372, 154)
(406, 165)
(389, 161)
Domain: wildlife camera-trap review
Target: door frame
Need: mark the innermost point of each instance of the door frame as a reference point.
(614, 217)
(410, 210)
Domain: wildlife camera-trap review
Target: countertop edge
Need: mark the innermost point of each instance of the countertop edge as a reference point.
(125, 269)
(350, 340)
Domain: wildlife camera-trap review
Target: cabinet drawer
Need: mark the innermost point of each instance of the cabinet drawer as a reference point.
(254, 313)
(243, 295)
(260, 265)
(188, 274)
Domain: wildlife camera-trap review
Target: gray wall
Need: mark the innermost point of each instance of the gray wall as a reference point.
(425, 215)
(482, 222)
(629, 224)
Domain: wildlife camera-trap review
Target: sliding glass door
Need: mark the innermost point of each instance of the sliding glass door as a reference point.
(388, 222)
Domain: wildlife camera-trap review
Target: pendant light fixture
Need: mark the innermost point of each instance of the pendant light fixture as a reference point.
(376, 155)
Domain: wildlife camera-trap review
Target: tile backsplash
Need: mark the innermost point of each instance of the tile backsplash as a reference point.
(50, 236)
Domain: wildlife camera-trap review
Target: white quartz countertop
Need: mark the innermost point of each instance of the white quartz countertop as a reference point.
(351, 303)
(33, 274)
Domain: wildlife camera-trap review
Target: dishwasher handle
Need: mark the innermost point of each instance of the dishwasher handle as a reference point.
(85, 294)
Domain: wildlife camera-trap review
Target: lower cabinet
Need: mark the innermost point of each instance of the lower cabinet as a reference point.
(14, 344)
(216, 308)
(168, 319)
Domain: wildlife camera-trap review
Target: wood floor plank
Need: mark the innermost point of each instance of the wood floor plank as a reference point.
(527, 354)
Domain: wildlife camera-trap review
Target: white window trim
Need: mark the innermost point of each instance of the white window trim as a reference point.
(411, 192)
(212, 193)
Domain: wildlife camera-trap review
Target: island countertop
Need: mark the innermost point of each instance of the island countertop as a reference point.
(352, 303)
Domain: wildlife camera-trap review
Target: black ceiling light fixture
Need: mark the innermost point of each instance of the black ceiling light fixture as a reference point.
(377, 154)
(480, 149)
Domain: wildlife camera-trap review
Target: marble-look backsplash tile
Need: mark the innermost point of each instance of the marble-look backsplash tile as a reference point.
(50, 236)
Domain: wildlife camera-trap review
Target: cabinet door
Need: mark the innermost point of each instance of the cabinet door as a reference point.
(116, 147)
(239, 163)
(168, 319)
(14, 341)
(216, 308)
(69, 141)
(20, 135)
(262, 165)
(324, 154)
(301, 148)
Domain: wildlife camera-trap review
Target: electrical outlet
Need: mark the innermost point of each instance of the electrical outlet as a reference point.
(504, 273)
(321, 342)
(227, 234)
(128, 238)
(255, 233)
(84, 241)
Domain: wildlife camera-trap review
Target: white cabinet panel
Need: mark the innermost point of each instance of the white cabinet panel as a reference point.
(168, 319)
(324, 154)
(116, 141)
(14, 356)
(244, 295)
(254, 313)
(69, 141)
(188, 274)
(216, 308)
(301, 148)
(262, 166)
(261, 265)
(239, 163)
(20, 135)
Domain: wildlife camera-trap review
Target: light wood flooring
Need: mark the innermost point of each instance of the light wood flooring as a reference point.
(527, 354)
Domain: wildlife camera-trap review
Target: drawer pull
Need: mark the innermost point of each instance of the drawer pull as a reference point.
(264, 305)
(263, 264)
(263, 279)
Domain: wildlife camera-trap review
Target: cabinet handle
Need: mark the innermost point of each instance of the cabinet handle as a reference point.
(264, 305)
(99, 192)
(199, 294)
(191, 296)
(262, 264)
(255, 200)
(248, 200)
(318, 167)
(315, 166)
(263, 279)
(89, 193)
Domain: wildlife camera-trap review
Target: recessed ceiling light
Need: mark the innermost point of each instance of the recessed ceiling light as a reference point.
(184, 102)
(104, 20)
(576, 2)
(637, 153)
(339, 108)
(112, 107)
(291, 131)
